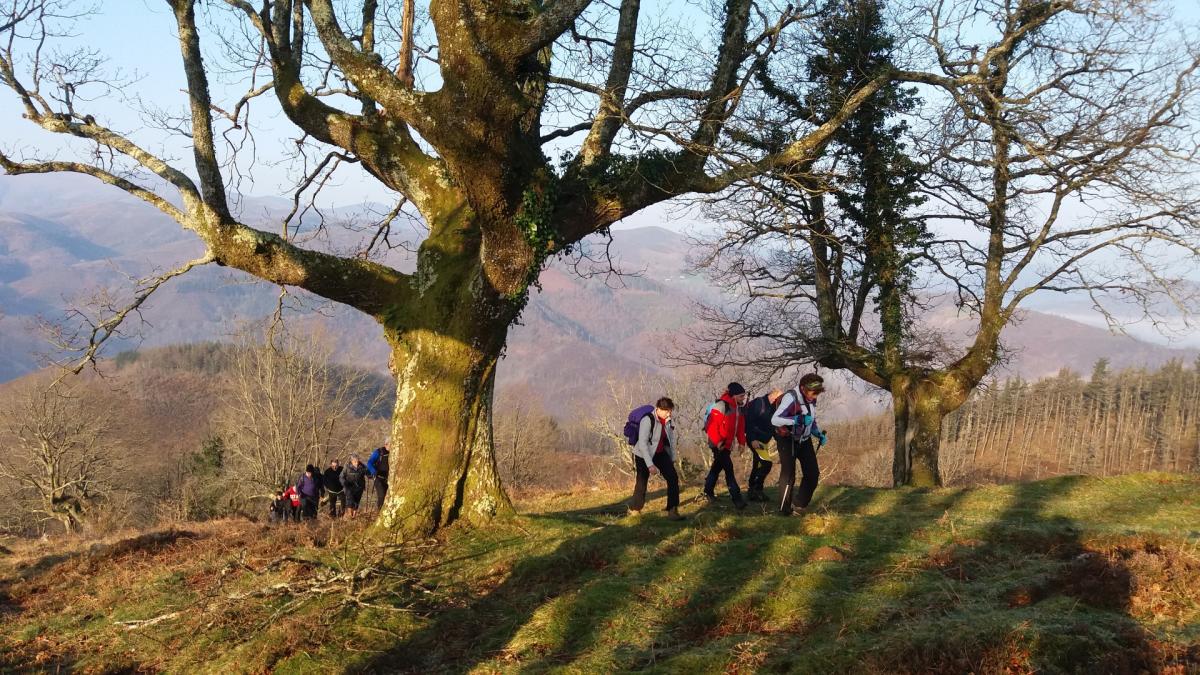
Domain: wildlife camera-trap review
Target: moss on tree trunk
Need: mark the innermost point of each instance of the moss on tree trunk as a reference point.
(446, 343)
(919, 412)
(442, 463)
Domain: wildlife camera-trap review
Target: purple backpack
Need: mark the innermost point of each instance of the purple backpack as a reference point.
(635, 420)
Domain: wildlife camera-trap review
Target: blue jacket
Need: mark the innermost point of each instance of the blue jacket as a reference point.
(377, 463)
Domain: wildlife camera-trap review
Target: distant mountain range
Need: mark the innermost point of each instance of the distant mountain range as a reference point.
(62, 237)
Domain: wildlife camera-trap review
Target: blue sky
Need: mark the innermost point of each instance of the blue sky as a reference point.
(138, 37)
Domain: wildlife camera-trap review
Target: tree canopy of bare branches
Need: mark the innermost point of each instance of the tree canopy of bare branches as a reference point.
(1057, 146)
(288, 404)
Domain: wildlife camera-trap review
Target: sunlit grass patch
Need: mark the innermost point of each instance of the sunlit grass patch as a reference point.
(1099, 574)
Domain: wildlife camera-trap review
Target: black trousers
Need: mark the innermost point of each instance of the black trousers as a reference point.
(722, 462)
(334, 498)
(308, 507)
(790, 452)
(666, 467)
(380, 491)
(758, 472)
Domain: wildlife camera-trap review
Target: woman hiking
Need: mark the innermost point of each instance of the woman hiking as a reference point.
(354, 479)
(759, 432)
(795, 427)
(655, 446)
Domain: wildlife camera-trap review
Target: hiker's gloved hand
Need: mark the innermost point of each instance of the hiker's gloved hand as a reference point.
(803, 420)
(820, 435)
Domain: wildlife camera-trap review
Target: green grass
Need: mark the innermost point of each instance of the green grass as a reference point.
(1064, 575)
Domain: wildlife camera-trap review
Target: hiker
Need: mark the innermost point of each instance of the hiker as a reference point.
(377, 466)
(652, 435)
(310, 489)
(759, 431)
(354, 479)
(725, 426)
(795, 427)
(281, 508)
(332, 481)
(293, 498)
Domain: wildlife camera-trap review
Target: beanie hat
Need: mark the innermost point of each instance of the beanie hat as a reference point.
(734, 389)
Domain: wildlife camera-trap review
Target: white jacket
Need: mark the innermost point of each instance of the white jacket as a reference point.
(650, 430)
(791, 406)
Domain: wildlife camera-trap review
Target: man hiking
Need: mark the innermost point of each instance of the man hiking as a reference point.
(310, 490)
(725, 426)
(759, 431)
(377, 466)
(332, 481)
(795, 428)
(655, 446)
(354, 479)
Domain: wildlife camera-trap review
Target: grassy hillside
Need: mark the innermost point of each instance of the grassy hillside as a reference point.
(1065, 575)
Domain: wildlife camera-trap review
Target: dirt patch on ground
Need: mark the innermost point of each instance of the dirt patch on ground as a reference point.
(828, 554)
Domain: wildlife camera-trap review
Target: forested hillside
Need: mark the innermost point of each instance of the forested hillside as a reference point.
(575, 332)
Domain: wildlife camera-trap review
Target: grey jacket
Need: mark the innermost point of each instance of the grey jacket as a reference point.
(354, 475)
(650, 430)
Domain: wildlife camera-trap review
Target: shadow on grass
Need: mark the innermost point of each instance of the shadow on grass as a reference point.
(1024, 593)
(705, 577)
(908, 588)
(459, 638)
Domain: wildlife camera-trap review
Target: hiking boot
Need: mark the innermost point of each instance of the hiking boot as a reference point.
(673, 514)
(739, 504)
(709, 497)
(757, 496)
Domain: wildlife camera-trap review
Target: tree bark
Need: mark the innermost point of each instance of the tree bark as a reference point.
(442, 460)
(919, 412)
(446, 339)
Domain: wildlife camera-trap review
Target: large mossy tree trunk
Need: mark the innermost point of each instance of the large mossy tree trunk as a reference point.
(445, 344)
(442, 464)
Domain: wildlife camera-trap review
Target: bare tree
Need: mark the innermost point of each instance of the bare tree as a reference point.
(60, 457)
(1059, 156)
(526, 437)
(458, 115)
(289, 404)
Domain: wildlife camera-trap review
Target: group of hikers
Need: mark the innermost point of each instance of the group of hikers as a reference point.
(341, 486)
(731, 422)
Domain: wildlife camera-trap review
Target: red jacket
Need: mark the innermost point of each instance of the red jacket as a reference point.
(726, 424)
(291, 494)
